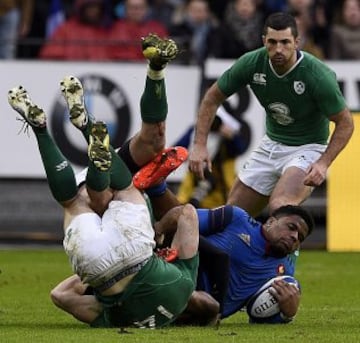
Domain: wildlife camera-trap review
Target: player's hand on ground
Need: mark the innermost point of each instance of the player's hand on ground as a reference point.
(316, 174)
(199, 160)
(287, 295)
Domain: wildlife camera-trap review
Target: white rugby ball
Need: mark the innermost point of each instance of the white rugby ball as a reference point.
(262, 304)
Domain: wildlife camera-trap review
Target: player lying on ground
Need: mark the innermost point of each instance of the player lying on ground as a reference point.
(256, 253)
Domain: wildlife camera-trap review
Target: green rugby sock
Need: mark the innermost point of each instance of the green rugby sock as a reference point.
(87, 129)
(60, 175)
(121, 177)
(153, 102)
(96, 179)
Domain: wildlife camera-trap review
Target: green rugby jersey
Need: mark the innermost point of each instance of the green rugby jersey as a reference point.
(156, 296)
(298, 104)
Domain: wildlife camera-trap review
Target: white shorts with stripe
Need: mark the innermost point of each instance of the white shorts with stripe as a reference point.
(269, 161)
(101, 248)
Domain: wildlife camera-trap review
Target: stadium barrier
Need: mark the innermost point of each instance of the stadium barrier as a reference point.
(343, 197)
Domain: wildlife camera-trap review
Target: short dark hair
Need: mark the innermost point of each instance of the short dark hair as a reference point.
(281, 21)
(297, 210)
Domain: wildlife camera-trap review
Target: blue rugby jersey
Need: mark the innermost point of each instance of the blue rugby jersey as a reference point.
(233, 231)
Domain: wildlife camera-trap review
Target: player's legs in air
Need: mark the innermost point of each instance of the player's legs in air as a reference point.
(62, 183)
(58, 170)
(147, 147)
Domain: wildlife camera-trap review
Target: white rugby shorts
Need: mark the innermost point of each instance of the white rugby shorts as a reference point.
(101, 248)
(269, 161)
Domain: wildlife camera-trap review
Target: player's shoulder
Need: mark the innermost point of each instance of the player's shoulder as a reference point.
(240, 214)
(314, 66)
(254, 56)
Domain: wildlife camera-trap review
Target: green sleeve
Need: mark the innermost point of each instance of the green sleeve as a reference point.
(327, 91)
(240, 73)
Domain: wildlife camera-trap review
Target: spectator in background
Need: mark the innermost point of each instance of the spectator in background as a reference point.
(345, 35)
(306, 42)
(129, 30)
(302, 6)
(218, 8)
(271, 6)
(15, 22)
(86, 35)
(240, 31)
(163, 11)
(315, 13)
(193, 30)
(47, 15)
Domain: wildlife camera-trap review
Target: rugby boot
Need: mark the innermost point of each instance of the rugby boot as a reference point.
(160, 167)
(158, 51)
(99, 143)
(73, 93)
(31, 113)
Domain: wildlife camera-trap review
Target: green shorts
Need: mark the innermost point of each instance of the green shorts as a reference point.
(154, 298)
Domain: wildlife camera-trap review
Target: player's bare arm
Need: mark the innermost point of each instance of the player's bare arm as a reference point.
(69, 295)
(208, 107)
(344, 128)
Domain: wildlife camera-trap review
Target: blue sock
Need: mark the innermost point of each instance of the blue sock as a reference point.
(157, 190)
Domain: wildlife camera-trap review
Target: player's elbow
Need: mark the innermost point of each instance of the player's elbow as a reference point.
(56, 297)
(204, 307)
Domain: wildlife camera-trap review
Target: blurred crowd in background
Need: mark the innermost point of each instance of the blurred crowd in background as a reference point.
(109, 30)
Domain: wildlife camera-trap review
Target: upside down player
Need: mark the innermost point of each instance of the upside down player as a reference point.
(112, 249)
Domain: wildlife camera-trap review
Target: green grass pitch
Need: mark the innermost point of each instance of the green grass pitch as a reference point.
(329, 311)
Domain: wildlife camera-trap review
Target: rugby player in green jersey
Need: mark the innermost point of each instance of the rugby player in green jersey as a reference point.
(108, 231)
(300, 96)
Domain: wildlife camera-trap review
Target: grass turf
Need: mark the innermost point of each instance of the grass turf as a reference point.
(329, 310)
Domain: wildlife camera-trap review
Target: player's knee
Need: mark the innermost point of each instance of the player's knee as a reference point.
(152, 136)
(189, 217)
(186, 238)
(189, 211)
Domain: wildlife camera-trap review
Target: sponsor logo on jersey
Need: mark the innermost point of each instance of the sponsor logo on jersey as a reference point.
(245, 238)
(259, 78)
(281, 113)
(299, 87)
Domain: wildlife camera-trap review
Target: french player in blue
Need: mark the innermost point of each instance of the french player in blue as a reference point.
(252, 253)
(257, 252)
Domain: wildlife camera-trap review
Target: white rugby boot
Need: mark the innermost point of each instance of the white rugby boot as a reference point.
(99, 143)
(73, 93)
(158, 51)
(31, 113)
